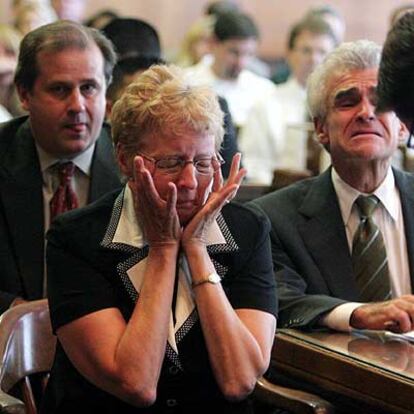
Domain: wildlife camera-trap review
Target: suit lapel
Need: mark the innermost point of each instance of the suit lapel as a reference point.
(323, 233)
(104, 171)
(22, 199)
(405, 184)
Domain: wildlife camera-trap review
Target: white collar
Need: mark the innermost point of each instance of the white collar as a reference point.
(83, 160)
(204, 70)
(129, 232)
(347, 195)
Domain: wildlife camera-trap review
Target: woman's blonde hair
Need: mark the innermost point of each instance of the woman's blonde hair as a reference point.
(200, 30)
(168, 101)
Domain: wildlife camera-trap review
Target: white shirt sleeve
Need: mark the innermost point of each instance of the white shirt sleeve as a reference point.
(338, 318)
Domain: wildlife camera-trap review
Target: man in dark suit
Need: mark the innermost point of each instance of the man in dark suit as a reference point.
(318, 225)
(62, 75)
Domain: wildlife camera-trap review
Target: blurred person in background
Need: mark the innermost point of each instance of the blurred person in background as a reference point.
(336, 22)
(216, 8)
(234, 43)
(69, 9)
(16, 5)
(196, 43)
(125, 72)
(9, 49)
(333, 17)
(32, 15)
(274, 135)
(101, 19)
(138, 46)
(133, 37)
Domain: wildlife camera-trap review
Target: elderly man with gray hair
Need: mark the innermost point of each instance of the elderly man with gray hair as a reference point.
(342, 242)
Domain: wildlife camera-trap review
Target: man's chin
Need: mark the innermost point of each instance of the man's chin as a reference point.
(72, 148)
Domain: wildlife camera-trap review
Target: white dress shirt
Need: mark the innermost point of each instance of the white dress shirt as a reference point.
(389, 218)
(240, 93)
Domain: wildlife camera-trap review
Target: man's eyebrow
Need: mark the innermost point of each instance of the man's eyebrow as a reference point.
(346, 93)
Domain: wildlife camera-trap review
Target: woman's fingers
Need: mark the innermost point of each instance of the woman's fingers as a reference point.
(171, 197)
(217, 180)
(222, 194)
(235, 166)
(145, 185)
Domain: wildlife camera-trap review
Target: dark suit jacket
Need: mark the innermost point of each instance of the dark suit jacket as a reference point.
(310, 250)
(21, 207)
(229, 146)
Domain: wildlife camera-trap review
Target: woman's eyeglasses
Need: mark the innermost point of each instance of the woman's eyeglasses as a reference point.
(174, 165)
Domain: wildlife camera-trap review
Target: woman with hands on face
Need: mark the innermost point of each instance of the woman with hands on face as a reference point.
(162, 297)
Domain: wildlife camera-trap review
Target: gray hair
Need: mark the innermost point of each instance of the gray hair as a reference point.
(358, 55)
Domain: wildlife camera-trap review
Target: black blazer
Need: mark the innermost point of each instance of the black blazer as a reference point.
(310, 250)
(21, 207)
(89, 271)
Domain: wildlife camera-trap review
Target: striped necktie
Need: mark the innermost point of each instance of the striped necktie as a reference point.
(64, 198)
(369, 257)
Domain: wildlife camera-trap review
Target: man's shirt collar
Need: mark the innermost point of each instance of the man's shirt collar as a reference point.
(347, 195)
(83, 161)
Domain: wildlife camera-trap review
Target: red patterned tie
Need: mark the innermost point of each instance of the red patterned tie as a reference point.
(64, 198)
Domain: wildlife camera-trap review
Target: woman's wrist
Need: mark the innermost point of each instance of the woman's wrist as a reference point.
(164, 248)
(198, 260)
(192, 248)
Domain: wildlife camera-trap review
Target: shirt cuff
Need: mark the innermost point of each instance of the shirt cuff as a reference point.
(338, 318)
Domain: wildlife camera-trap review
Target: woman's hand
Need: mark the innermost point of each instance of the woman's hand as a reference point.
(157, 217)
(196, 230)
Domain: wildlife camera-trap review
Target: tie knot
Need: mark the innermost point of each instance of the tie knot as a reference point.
(65, 171)
(366, 205)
